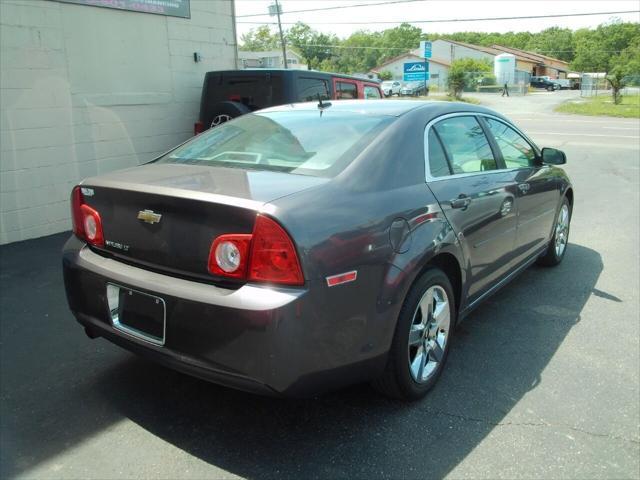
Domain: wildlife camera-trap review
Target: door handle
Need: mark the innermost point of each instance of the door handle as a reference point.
(524, 187)
(462, 201)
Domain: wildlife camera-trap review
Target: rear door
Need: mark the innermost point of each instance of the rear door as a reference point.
(255, 90)
(476, 196)
(537, 188)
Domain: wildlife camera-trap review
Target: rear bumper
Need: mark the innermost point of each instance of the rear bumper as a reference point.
(277, 341)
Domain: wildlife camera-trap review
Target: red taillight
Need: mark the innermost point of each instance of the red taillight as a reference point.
(76, 214)
(198, 127)
(267, 255)
(87, 224)
(273, 256)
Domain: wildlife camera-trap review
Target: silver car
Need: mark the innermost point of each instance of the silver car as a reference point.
(391, 87)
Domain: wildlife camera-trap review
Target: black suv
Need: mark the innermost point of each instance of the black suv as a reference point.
(231, 93)
(541, 82)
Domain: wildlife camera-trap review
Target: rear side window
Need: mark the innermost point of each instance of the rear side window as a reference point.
(309, 88)
(516, 151)
(371, 92)
(438, 165)
(466, 145)
(305, 142)
(346, 90)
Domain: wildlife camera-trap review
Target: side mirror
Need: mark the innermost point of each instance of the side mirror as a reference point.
(553, 156)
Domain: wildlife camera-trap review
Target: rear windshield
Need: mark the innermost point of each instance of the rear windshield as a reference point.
(303, 142)
(255, 91)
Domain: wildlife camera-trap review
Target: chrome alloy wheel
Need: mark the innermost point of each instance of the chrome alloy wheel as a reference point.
(219, 119)
(562, 230)
(429, 333)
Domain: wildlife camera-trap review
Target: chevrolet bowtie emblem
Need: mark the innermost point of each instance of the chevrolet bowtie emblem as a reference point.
(149, 216)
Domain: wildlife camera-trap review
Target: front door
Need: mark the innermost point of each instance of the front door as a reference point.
(477, 198)
(537, 189)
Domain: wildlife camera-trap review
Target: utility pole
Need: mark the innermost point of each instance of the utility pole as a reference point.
(426, 69)
(277, 10)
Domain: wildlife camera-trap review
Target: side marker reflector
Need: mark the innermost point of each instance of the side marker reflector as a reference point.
(342, 278)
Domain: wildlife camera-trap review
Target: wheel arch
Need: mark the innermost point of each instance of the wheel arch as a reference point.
(569, 194)
(449, 264)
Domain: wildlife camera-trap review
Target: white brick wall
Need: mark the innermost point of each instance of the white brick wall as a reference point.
(86, 90)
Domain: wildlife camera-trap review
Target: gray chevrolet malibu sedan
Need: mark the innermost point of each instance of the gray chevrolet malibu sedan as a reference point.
(309, 246)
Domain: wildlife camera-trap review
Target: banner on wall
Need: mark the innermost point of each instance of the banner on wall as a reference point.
(173, 8)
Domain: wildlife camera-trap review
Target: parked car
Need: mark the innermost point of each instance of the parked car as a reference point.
(391, 87)
(231, 93)
(414, 89)
(565, 83)
(541, 82)
(286, 253)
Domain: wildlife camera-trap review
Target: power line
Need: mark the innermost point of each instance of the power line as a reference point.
(359, 48)
(347, 47)
(451, 20)
(333, 8)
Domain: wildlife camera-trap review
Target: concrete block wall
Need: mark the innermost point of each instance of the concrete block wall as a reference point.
(85, 90)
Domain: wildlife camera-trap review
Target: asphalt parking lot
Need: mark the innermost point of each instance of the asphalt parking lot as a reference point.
(542, 382)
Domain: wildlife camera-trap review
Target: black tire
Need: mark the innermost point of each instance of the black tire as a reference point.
(551, 258)
(549, 89)
(397, 381)
(224, 111)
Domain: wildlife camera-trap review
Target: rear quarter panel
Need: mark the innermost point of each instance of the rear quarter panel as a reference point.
(344, 225)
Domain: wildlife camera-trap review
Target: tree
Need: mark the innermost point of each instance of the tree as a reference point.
(464, 73)
(611, 48)
(508, 39)
(622, 68)
(398, 40)
(554, 42)
(356, 54)
(315, 47)
(594, 49)
(259, 40)
(385, 75)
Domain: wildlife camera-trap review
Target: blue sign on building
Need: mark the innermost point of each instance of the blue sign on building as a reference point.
(415, 71)
(426, 48)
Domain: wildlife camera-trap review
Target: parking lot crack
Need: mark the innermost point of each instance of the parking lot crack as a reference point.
(489, 422)
(604, 435)
(485, 421)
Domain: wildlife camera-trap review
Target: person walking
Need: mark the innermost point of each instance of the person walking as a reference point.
(505, 90)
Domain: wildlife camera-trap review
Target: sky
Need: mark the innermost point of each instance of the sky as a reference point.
(329, 21)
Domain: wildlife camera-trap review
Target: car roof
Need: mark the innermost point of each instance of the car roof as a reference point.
(291, 71)
(394, 108)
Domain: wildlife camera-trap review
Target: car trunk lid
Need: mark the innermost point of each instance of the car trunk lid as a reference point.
(165, 217)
